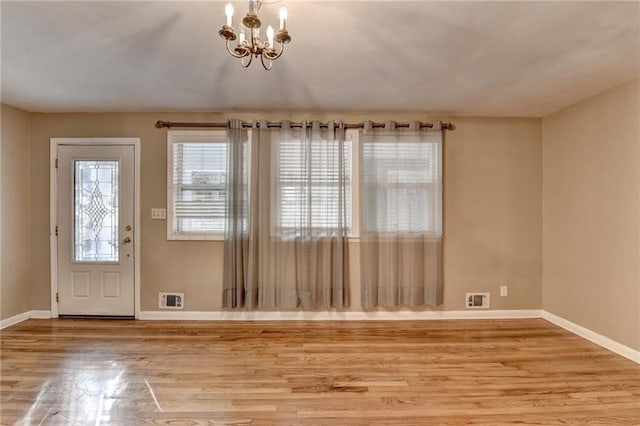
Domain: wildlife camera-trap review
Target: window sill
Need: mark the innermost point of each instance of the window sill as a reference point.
(195, 237)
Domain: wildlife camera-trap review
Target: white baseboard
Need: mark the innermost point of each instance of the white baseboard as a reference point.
(336, 316)
(40, 314)
(7, 322)
(594, 337)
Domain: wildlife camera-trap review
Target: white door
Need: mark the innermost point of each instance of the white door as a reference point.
(95, 230)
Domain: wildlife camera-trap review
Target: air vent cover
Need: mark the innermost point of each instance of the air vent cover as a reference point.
(477, 300)
(171, 300)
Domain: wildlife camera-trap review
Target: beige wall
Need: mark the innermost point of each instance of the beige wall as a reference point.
(493, 224)
(492, 209)
(15, 277)
(591, 214)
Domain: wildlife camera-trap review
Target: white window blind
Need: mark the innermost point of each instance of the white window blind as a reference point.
(309, 187)
(198, 177)
(402, 187)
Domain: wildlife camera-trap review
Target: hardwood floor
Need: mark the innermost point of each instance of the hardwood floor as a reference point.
(465, 372)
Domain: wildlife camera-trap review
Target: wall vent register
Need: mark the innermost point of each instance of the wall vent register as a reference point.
(477, 300)
(171, 300)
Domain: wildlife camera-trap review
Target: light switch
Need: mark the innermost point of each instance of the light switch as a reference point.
(158, 213)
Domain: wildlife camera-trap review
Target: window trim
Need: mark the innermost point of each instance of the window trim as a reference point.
(353, 136)
(182, 136)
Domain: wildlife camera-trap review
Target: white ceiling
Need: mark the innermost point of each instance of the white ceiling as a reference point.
(461, 58)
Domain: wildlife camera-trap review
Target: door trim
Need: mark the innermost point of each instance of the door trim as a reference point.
(53, 210)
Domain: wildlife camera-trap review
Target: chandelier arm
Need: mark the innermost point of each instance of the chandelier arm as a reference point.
(268, 68)
(248, 63)
(281, 51)
(232, 53)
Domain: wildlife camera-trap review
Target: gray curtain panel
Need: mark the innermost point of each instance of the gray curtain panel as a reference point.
(401, 216)
(287, 217)
(237, 232)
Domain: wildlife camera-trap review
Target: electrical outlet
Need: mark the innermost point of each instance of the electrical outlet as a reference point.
(158, 213)
(504, 290)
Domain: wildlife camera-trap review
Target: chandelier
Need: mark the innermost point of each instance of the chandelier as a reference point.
(249, 45)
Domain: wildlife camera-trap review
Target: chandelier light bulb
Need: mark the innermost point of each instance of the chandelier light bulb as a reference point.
(283, 18)
(242, 39)
(228, 10)
(270, 36)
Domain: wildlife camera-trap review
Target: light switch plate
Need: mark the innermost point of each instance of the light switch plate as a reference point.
(158, 213)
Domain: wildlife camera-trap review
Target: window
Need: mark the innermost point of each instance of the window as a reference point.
(309, 185)
(402, 187)
(196, 191)
(96, 195)
(400, 191)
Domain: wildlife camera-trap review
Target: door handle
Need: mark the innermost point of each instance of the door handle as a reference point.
(126, 240)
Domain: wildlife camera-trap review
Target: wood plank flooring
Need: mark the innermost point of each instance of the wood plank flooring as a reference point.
(465, 372)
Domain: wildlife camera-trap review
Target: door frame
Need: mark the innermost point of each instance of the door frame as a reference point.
(53, 210)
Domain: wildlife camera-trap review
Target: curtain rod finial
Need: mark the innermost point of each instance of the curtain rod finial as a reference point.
(160, 124)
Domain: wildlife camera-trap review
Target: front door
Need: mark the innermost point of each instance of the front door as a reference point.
(95, 211)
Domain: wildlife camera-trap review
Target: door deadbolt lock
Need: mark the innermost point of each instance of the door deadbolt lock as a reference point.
(126, 240)
(128, 228)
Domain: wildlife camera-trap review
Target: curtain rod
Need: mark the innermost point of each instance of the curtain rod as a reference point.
(171, 124)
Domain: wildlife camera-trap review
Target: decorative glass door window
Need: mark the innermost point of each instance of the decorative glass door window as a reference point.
(95, 211)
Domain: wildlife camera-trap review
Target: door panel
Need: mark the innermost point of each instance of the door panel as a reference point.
(95, 230)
